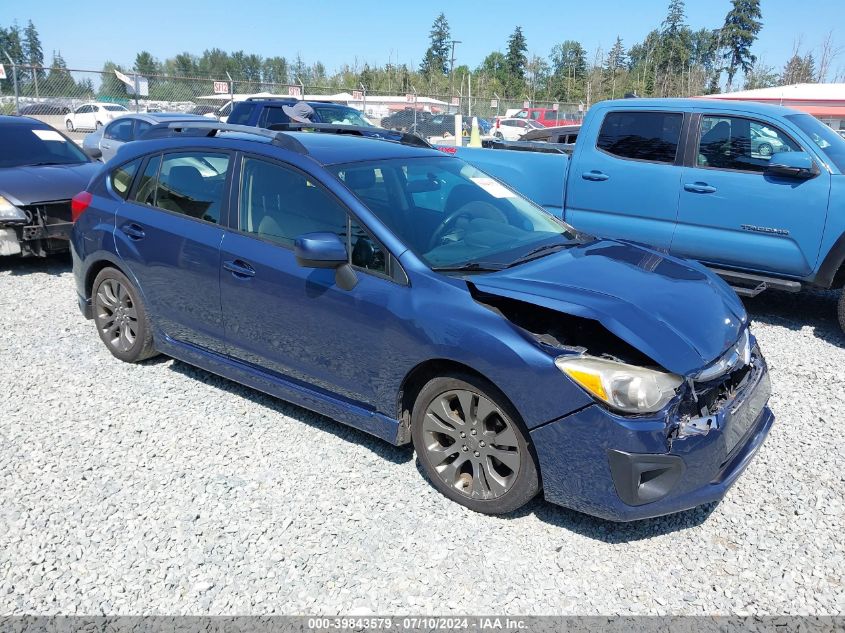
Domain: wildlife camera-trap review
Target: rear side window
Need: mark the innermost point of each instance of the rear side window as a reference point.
(272, 116)
(192, 183)
(121, 178)
(240, 114)
(120, 131)
(649, 136)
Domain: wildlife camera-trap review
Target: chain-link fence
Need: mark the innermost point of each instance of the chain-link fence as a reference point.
(55, 96)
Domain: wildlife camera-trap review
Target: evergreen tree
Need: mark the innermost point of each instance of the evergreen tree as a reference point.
(184, 65)
(616, 61)
(275, 70)
(145, 64)
(799, 69)
(437, 58)
(742, 24)
(515, 61)
(58, 81)
(569, 69)
(32, 51)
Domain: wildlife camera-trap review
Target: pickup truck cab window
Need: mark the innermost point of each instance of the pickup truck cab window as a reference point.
(739, 143)
(647, 136)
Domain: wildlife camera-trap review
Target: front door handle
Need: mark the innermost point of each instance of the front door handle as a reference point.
(134, 231)
(594, 175)
(699, 187)
(239, 268)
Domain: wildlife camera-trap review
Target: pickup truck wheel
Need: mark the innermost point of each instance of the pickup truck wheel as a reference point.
(842, 310)
(120, 317)
(472, 446)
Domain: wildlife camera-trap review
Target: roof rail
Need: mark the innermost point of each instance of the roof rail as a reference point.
(273, 98)
(404, 138)
(212, 128)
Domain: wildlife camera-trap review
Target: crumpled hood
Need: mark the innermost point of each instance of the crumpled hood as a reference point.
(675, 311)
(44, 183)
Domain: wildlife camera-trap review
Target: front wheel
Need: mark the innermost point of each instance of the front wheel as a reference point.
(766, 150)
(842, 310)
(69, 125)
(121, 318)
(471, 446)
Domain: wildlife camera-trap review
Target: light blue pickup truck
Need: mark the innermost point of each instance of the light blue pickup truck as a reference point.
(755, 192)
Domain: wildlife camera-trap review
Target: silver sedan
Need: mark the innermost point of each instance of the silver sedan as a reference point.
(104, 143)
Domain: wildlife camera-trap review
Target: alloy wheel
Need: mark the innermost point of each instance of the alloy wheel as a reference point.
(471, 444)
(116, 314)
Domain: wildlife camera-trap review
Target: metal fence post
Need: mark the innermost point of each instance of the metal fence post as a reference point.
(14, 80)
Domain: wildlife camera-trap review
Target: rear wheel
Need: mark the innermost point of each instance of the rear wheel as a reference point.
(471, 446)
(842, 310)
(121, 318)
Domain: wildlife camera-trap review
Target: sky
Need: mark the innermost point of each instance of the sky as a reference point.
(338, 32)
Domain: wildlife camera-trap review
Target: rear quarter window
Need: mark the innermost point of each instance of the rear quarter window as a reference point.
(647, 136)
(240, 114)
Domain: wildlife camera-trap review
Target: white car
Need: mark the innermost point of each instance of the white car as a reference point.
(93, 116)
(512, 129)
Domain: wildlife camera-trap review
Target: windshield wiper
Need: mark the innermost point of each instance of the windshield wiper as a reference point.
(469, 267)
(540, 251)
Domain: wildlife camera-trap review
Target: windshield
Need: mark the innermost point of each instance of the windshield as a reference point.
(829, 142)
(451, 214)
(25, 145)
(342, 116)
(115, 108)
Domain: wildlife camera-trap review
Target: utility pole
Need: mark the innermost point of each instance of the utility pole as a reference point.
(452, 64)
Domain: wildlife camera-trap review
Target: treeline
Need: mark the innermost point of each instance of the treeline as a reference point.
(674, 59)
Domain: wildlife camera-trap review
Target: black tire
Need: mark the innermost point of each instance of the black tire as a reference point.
(460, 463)
(842, 310)
(69, 125)
(121, 318)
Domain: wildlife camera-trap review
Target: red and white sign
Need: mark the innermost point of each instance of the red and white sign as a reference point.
(410, 98)
(456, 101)
(494, 103)
(221, 87)
(526, 104)
(357, 95)
(555, 107)
(295, 91)
(2, 71)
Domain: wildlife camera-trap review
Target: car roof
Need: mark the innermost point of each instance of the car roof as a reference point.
(695, 103)
(325, 148)
(22, 121)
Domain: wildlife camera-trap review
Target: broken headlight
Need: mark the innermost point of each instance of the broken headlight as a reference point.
(9, 213)
(624, 387)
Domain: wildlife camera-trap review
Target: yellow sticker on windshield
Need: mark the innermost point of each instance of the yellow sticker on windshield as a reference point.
(493, 187)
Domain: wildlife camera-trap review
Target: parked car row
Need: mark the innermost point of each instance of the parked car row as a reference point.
(515, 352)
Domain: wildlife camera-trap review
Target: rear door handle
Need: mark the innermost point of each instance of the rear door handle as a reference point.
(239, 268)
(594, 175)
(699, 187)
(134, 231)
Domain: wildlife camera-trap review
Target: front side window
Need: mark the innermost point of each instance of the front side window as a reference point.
(831, 144)
(121, 178)
(279, 203)
(451, 214)
(648, 136)
(740, 144)
(120, 130)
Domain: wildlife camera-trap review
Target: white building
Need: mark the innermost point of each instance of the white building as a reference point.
(824, 101)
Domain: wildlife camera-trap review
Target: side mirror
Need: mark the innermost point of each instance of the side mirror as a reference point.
(325, 250)
(93, 152)
(798, 165)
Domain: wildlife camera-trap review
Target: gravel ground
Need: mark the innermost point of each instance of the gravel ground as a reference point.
(162, 489)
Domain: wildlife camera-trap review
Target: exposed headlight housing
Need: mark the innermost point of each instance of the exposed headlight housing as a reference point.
(10, 214)
(627, 388)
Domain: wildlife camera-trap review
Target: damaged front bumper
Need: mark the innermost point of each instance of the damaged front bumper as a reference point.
(625, 468)
(42, 230)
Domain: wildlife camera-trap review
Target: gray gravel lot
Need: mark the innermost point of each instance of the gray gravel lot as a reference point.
(162, 489)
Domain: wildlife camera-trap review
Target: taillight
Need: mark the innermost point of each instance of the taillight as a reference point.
(79, 203)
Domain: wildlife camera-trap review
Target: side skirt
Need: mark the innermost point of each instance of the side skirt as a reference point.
(280, 387)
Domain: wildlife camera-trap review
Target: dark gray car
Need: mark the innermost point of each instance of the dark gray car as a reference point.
(40, 171)
(104, 143)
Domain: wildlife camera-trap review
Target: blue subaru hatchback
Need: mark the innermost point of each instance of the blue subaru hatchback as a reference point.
(408, 294)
